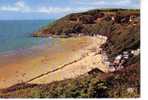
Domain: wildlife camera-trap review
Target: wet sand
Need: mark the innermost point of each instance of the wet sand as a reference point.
(66, 58)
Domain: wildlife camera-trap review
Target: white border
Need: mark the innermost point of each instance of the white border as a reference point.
(144, 54)
(144, 49)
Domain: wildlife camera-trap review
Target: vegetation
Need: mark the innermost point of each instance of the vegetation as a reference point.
(86, 22)
(96, 85)
(122, 35)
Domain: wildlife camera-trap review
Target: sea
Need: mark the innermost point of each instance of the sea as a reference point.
(16, 34)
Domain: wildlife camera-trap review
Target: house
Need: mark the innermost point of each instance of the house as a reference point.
(113, 18)
(134, 18)
(125, 54)
(117, 59)
(135, 52)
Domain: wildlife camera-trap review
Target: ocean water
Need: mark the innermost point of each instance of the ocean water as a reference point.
(16, 34)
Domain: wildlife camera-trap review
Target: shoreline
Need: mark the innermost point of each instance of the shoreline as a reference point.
(73, 49)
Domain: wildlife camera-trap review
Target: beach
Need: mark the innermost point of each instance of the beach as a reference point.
(66, 58)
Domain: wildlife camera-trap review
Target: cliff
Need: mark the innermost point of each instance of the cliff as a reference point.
(92, 22)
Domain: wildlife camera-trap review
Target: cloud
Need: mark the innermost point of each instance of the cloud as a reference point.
(50, 9)
(18, 6)
(21, 6)
(123, 2)
(92, 3)
(81, 5)
(104, 2)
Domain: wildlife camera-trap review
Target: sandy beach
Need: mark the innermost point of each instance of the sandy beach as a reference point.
(67, 58)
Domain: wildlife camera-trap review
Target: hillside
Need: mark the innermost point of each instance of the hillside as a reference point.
(121, 24)
(122, 27)
(91, 22)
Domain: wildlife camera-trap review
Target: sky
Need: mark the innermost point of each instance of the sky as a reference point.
(53, 9)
